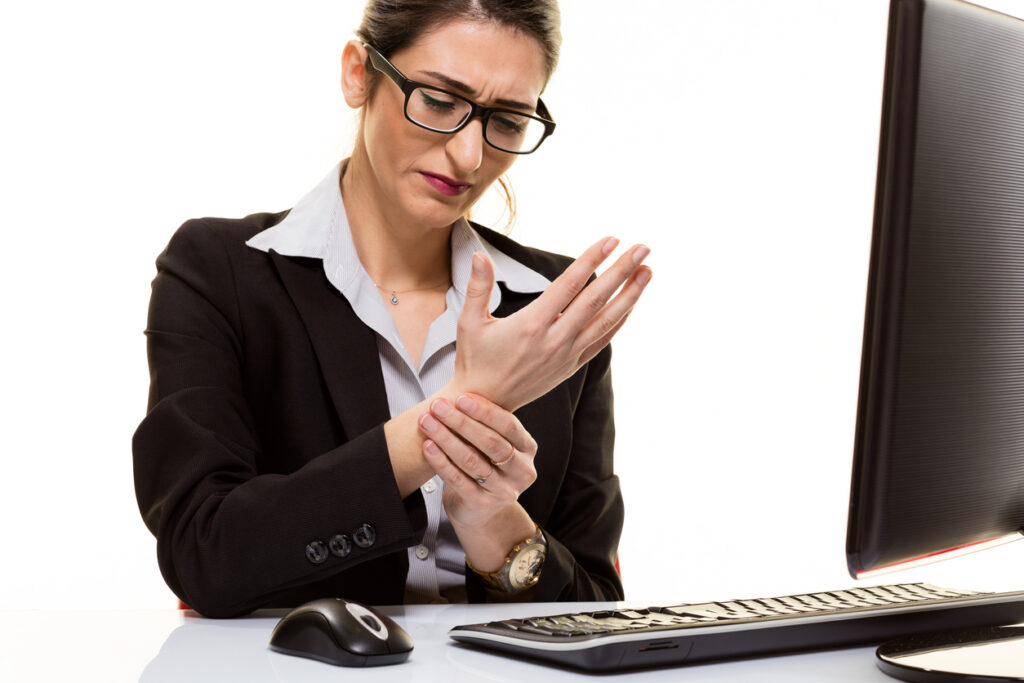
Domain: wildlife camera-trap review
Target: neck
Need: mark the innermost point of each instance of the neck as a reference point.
(396, 254)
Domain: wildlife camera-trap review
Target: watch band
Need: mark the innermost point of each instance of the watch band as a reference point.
(521, 568)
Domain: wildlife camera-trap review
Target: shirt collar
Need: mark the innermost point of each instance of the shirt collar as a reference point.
(317, 227)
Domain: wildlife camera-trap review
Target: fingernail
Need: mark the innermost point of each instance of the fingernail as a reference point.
(465, 404)
(478, 264)
(431, 447)
(643, 277)
(640, 254)
(609, 245)
(440, 408)
(428, 423)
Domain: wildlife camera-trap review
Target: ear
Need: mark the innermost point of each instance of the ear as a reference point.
(353, 74)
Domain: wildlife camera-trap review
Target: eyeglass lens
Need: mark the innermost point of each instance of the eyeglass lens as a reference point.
(444, 113)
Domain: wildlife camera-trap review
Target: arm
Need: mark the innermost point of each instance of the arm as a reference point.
(586, 510)
(586, 520)
(232, 520)
(513, 361)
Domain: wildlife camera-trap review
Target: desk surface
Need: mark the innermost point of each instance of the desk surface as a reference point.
(166, 646)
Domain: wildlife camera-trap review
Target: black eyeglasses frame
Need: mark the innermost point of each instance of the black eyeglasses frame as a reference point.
(407, 86)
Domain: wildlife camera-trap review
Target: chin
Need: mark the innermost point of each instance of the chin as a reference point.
(437, 216)
(432, 212)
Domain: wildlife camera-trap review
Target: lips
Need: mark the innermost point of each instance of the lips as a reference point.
(445, 185)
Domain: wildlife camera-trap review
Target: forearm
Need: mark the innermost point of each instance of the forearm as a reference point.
(405, 443)
(229, 538)
(487, 544)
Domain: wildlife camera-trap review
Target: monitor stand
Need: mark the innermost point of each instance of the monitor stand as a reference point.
(991, 653)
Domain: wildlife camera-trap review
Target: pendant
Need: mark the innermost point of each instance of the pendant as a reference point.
(394, 299)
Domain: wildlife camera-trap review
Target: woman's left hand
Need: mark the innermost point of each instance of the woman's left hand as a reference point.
(483, 454)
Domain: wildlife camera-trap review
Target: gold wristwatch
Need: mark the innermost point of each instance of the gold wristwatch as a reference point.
(521, 568)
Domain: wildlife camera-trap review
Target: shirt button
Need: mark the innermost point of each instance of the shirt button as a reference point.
(422, 552)
(429, 487)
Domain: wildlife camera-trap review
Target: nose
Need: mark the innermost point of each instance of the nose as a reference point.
(466, 148)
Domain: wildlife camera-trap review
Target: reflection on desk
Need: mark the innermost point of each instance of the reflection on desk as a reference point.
(108, 645)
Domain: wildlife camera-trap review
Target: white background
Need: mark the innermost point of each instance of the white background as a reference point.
(737, 138)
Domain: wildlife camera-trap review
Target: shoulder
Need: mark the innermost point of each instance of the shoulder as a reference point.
(221, 233)
(209, 246)
(547, 263)
(210, 255)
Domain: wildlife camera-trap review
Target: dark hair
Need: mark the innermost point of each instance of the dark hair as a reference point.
(391, 25)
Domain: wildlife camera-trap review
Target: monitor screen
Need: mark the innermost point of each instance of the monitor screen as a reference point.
(939, 446)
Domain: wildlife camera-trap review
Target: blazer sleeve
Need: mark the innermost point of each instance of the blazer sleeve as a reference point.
(586, 522)
(586, 516)
(230, 536)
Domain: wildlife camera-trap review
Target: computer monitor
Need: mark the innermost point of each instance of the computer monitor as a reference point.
(939, 446)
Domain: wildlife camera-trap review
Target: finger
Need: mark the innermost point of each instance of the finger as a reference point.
(479, 437)
(478, 290)
(460, 453)
(502, 422)
(450, 474)
(592, 300)
(604, 325)
(496, 492)
(596, 347)
(517, 469)
(566, 286)
(514, 457)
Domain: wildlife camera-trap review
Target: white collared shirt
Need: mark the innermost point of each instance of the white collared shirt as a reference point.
(317, 227)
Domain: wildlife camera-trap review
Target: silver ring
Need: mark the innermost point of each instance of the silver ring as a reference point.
(483, 480)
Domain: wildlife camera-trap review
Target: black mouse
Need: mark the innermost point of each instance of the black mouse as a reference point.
(341, 632)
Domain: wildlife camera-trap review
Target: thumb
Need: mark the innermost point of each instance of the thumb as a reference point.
(478, 290)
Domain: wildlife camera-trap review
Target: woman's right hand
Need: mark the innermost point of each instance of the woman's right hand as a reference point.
(517, 359)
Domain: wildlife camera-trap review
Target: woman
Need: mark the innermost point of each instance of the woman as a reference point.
(369, 397)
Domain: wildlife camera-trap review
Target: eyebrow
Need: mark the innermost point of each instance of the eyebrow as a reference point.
(459, 85)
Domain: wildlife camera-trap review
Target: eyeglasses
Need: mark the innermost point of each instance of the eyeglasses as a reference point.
(445, 112)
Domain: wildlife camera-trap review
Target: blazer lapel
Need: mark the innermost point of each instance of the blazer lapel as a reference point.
(345, 348)
(511, 302)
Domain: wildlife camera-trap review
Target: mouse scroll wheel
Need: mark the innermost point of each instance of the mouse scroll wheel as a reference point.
(372, 623)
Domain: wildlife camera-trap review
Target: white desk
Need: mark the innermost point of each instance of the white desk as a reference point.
(171, 646)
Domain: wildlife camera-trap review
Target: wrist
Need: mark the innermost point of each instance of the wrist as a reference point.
(521, 568)
(449, 391)
(487, 543)
(404, 440)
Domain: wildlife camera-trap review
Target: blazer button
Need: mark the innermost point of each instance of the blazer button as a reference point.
(316, 552)
(340, 545)
(365, 536)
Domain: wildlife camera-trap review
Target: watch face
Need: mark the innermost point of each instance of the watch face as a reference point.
(525, 569)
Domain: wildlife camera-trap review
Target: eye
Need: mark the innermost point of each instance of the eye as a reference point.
(508, 124)
(437, 101)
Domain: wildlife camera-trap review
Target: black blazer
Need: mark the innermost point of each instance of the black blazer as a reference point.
(264, 438)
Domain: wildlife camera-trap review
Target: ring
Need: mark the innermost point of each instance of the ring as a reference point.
(483, 480)
(506, 460)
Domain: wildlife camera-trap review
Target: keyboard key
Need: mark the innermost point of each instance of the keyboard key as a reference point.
(707, 611)
(511, 624)
(778, 606)
(630, 614)
(799, 605)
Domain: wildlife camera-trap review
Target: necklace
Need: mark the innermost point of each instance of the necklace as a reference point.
(394, 294)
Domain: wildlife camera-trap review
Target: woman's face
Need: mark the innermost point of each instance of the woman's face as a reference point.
(430, 178)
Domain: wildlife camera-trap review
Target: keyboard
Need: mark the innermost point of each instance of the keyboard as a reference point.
(622, 639)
